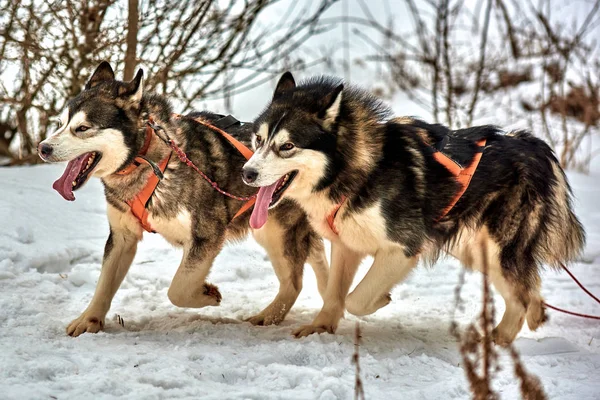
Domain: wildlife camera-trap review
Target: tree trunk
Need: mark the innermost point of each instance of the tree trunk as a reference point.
(132, 33)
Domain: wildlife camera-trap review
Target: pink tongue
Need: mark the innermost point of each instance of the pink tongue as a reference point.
(64, 184)
(261, 208)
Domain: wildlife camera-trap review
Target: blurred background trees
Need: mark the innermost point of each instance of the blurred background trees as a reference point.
(529, 64)
(188, 48)
(524, 64)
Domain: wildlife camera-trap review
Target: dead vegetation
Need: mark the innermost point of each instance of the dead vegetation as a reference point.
(527, 64)
(480, 356)
(359, 392)
(192, 50)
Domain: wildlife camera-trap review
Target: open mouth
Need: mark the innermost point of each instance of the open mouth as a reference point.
(76, 174)
(268, 197)
(282, 185)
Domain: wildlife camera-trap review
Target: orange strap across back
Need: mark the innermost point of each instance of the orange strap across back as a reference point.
(244, 151)
(463, 175)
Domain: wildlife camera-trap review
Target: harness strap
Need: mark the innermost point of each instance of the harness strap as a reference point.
(463, 175)
(136, 163)
(140, 200)
(244, 151)
(226, 122)
(331, 217)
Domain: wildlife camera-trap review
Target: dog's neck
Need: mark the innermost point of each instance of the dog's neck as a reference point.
(357, 154)
(155, 109)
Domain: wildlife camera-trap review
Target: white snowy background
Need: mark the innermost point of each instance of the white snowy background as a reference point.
(50, 260)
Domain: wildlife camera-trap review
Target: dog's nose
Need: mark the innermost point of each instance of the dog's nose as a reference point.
(45, 150)
(249, 175)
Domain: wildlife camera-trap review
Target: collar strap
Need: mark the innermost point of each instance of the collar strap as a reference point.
(138, 159)
(331, 217)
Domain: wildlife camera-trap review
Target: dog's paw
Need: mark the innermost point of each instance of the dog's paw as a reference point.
(213, 296)
(536, 315)
(357, 306)
(263, 320)
(502, 338)
(85, 323)
(272, 315)
(266, 317)
(306, 330)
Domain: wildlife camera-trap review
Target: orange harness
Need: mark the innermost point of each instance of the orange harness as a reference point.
(139, 201)
(463, 177)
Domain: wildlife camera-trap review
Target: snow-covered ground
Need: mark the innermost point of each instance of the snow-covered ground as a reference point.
(50, 255)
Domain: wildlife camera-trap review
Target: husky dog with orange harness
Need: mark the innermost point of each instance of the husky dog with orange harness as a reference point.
(402, 190)
(173, 175)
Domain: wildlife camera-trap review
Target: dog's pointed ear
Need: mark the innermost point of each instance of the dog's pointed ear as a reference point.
(331, 104)
(286, 82)
(103, 73)
(133, 89)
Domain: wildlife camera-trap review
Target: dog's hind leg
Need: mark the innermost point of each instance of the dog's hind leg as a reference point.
(519, 298)
(344, 263)
(390, 267)
(536, 313)
(121, 246)
(288, 264)
(189, 287)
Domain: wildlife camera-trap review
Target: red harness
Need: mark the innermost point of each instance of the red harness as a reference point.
(139, 201)
(462, 175)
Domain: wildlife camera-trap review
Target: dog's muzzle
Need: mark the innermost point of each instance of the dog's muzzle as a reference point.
(44, 151)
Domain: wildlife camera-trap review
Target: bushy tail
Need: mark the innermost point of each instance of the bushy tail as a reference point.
(561, 236)
(567, 233)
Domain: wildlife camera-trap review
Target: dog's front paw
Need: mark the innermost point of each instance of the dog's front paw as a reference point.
(213, 296)
(272, 315)
(87, 322)
(357, 306)
(306, 330)
(326, 321)
(267, 317)
(502, 338)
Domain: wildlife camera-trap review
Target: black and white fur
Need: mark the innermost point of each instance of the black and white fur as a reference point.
(340, 142)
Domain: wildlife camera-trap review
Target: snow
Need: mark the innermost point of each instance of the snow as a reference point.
(50, 255)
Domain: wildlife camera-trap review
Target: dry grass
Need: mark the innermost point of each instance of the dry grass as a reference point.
(480, 355)
(359, 393)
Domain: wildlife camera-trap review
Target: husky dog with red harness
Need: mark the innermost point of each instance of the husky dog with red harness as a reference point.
(178, 176)
(402, 190)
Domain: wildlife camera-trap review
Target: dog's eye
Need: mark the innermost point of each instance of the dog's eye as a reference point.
(258, 140)
(286, 146)
(82, 128)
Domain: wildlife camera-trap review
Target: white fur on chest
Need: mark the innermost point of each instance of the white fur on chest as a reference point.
(364, 232)
(176, 231)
